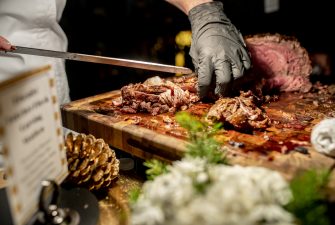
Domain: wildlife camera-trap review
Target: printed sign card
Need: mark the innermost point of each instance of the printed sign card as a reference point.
(31, 133)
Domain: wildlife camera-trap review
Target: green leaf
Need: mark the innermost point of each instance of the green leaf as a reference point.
(155, 168)
(134, 194)
(191, 124)
(309, 201)
(201, 136)
(208, 149)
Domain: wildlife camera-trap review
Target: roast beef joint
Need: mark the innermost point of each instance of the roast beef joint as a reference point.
(281, 60)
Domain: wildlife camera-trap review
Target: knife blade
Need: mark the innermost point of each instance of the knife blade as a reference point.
(102, 60)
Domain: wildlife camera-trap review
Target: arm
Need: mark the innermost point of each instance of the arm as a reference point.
(187, 5)
(218, 51)
(4, 44)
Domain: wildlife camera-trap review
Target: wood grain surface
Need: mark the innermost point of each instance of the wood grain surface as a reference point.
(147, 136)
(114, 207)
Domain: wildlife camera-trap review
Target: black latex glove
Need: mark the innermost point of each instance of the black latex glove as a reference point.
(217, 49)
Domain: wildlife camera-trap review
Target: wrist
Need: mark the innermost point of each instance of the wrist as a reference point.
(187, 5)
(210, 12)
(192, 4)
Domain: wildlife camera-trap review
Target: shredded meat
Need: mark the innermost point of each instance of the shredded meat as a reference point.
(187, 83)
(240, 112)
(156, 95)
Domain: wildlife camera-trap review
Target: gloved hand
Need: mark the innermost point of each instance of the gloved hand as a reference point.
(217, 48)
(4, 44)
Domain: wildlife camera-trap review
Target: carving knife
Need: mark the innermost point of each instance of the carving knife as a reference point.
(103, 60)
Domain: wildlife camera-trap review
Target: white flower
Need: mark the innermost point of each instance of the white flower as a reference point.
(228, 195)
(201, 178)
(200, 211)
(189, 166)
(271, 215)
(274, 188)
(169, 189)
(146, 213)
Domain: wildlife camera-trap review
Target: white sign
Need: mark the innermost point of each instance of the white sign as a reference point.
(271, 6)
(31, 132)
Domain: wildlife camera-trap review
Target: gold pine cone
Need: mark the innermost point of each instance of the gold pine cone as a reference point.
(92, 164)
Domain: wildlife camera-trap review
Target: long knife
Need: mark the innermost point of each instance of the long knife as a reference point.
(103, 60)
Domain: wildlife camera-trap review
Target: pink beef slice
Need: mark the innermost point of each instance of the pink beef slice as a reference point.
(281, 60)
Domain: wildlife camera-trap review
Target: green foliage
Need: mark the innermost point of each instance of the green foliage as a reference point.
(208, 149)
(202, 144)
(195, 127)
(308, 203)
(134, 194)
(155, 168)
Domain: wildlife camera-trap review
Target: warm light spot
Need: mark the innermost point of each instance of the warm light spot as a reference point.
(14, 190)
(184, 38)
(61, 147)
(59, 132)
(180, 59)
(52, 82)
(56, 115)
(5, 151)
(18, 208)
(54, 99)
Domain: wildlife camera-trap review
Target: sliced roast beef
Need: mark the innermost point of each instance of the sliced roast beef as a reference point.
(281, 60)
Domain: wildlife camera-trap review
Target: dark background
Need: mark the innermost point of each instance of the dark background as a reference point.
(146, 30)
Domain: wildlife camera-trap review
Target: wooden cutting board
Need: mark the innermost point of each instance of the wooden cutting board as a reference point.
(147, 136)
